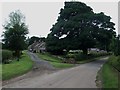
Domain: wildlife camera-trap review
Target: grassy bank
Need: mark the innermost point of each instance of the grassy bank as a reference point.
(56, 62)
(108, 74)
(109, 77)
(16, 68)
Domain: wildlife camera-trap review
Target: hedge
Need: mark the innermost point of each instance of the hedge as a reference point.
(6, 56)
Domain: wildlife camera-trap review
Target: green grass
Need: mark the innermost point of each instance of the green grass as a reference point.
(0, 71)
(109, 76)
(61, 65)
(56, 62)
(17, 68)
(49, 57)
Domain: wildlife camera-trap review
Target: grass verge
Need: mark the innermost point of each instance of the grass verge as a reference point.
(61, 65)
(108, 76)
(16, 68)
(90, 60)
(56, 62)
(49, 57)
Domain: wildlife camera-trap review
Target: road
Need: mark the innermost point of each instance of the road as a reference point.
(82, 76)
(39, 63)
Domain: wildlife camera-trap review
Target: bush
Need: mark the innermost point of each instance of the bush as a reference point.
(6, 56)
(81, 56)
(70, 55)
(97, 54)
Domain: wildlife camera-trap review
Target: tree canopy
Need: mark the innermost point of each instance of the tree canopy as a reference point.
(35, 38)
(15, 32)
(81, 28)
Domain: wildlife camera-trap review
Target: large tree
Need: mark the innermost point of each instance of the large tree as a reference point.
(81, 27)
(15, 32)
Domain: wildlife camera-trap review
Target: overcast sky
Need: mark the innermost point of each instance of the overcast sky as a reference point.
(40, 16)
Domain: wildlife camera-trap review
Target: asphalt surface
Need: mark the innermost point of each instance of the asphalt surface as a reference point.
(40, 67)
(39, 63)
(82, 76)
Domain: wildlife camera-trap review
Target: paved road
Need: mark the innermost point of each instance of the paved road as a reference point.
(40, 67)
(82, 76)
(39, 63)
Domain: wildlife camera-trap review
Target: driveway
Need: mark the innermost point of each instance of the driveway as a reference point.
(82, 76)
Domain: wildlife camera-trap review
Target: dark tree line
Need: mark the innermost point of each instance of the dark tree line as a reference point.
(115, 45)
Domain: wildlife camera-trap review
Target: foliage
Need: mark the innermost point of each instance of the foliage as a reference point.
(81, 28)
(15, 34)
(34, 38)
(115, 45)
(6, 56)
(17, 68)
(81, 57)
(69, 55)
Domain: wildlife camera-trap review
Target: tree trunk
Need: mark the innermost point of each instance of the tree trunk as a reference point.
(85, 51)
(17, 54)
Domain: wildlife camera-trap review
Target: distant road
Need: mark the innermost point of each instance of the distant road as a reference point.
(82, 76)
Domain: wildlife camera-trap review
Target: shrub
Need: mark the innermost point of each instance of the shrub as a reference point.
(6, 56)
(81, 56)
(69, 60)
(70, 55)
(97, 54)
